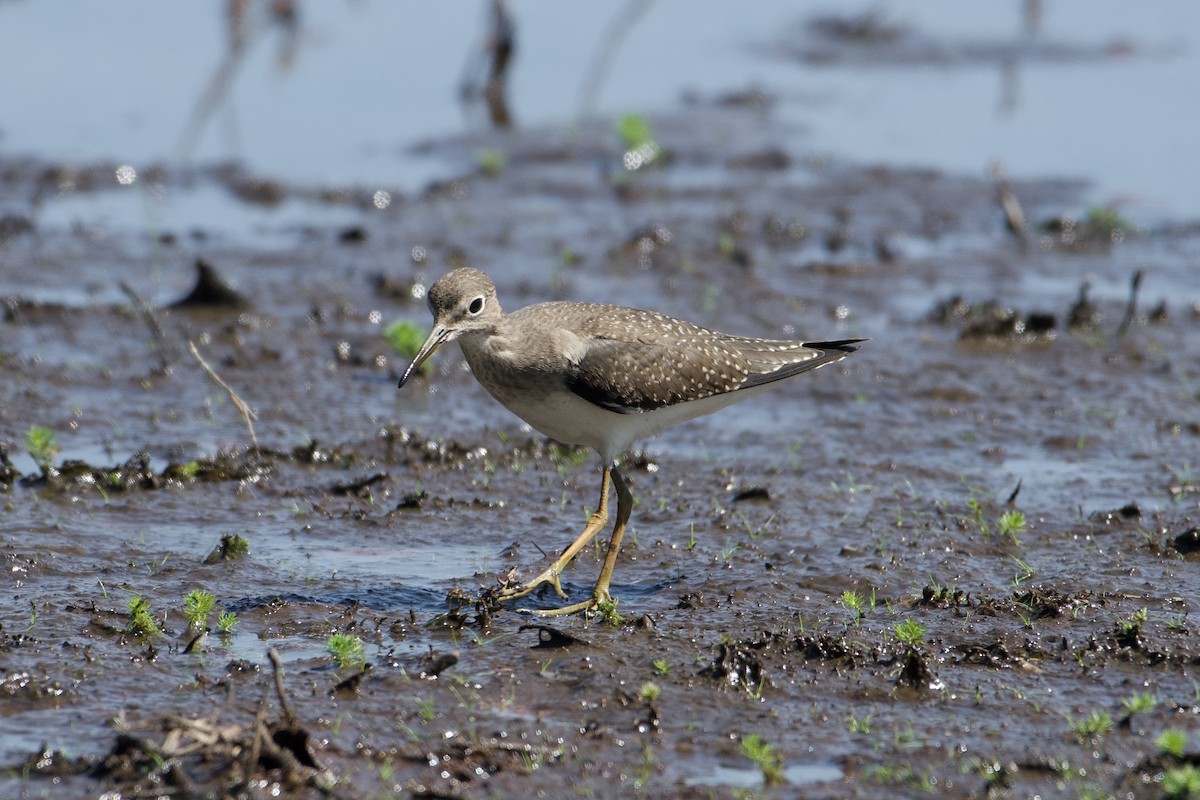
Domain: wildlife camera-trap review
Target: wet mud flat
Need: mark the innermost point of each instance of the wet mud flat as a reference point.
(962, 562)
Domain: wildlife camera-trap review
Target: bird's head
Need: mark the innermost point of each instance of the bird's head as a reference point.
(462, 302)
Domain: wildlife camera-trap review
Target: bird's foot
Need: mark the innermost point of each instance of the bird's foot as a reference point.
(550, 576)
(600, 605)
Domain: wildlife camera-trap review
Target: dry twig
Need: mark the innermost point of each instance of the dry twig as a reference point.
(246, 411)
(1009, 202)
(166, 348)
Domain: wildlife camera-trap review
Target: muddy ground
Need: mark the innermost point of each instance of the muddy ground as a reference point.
(825, 592)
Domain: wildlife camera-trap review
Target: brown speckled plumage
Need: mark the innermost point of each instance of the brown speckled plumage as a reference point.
(641, 360)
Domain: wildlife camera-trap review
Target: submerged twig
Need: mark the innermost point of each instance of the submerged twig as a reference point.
(486, 71)
(1135, 283)
(622, 23)
(156, 329)
(1009, 202)
(277, 665)
(502, 43)
(246, 411)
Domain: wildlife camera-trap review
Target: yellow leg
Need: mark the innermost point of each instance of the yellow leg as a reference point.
(601, 593)
(595, 522)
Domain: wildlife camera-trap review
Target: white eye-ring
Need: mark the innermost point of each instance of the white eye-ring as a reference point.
(476, 306)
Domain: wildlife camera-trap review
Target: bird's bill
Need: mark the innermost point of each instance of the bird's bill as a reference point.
(437, 337)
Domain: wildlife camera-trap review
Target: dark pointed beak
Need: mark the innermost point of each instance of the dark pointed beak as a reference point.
(437, 337)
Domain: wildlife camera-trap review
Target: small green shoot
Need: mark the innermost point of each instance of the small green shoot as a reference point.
(347, 650)
(141, 621)
(991, 770)
(909, 633)
(726, 245)
(661, 666)
(1185, 481)
(907, 738)
(231, 547)
(858, 604)
(1094, 726)
(405, 338)
(646, 770)
(977, 515)
(227, 621)
(1173, 742)
(566, 458)
(197, 605)
(606, 610)
(758, 750)
(893, 775)
(1183, 782)
(856, 725)
(491, 162)
(635, 131)
(1132, 627)
(641, 149)
(1011, 523)
(752, 531)
(1139, 703)
(1026, 572)
(649, 691)
(1106, 223)
(42, 445)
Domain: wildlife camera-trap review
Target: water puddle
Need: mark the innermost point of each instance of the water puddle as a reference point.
(794, 774)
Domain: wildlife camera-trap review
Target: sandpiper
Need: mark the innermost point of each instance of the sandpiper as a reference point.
(605, 377)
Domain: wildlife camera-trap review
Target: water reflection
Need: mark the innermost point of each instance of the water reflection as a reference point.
(246, 21)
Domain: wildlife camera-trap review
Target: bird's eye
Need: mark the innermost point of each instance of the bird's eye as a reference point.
(476, 306)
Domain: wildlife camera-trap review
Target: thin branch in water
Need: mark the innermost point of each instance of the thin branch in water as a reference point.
(1009, 202)
(620, 26)
(486, 70)
(156, 329)
(246, 411)
(277, 666)
(1135, 283)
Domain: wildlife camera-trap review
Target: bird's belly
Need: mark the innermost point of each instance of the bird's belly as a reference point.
(555, 411)
(563, 417)
(568, 418)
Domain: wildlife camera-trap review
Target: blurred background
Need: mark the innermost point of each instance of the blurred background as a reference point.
(346, 93)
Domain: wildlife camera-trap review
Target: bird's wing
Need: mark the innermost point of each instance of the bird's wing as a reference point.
(630, 376)
(817, 354)
(687, 363)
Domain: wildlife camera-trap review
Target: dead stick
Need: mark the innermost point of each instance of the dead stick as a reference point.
(1009, 202)
(156, 328)
(246, 411)
(622, 23)
(1135, 283)
(277, 664)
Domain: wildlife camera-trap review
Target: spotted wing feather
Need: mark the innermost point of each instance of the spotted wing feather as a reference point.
(641, 363)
